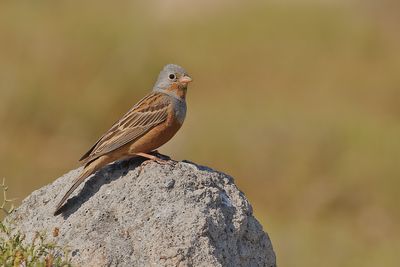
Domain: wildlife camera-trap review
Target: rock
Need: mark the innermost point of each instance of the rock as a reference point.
(160, 215)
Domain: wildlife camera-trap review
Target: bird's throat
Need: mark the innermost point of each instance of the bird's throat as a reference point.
(178, 91)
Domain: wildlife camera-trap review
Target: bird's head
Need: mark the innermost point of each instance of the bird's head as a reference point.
(172, 78)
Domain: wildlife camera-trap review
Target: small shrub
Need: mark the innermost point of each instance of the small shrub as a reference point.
(16, 251)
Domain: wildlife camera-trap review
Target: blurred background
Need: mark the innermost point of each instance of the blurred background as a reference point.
(298, 100)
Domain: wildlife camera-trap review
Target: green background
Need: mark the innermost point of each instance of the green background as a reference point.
(298, 100)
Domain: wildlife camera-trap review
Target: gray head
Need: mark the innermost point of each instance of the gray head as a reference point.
(172, 74)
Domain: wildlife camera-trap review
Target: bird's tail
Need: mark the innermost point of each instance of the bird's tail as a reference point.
(87, 171)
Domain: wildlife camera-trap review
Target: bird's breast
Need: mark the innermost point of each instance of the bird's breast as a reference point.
(179, 109)
(163, 132)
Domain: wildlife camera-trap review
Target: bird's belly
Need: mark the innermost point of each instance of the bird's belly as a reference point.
(156, 137)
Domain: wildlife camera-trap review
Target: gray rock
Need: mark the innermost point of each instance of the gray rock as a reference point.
(160, 215)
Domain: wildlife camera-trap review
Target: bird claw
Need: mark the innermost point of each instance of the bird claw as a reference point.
(157, 160)
(161, 161)
(160, 156)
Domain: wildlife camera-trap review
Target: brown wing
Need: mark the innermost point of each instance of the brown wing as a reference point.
(145, 115)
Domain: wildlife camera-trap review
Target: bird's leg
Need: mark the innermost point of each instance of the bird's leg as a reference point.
(152, 157)
(156, 153)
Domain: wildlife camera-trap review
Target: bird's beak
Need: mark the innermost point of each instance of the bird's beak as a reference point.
(185, 79)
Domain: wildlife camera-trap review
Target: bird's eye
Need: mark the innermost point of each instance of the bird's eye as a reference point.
(171, 76)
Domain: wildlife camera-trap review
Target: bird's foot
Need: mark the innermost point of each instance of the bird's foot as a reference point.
(153, 158)
(159, 155)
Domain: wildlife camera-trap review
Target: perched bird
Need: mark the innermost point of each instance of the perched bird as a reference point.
(149, 124)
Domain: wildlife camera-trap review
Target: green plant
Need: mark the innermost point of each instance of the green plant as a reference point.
(16, 251)
(6, 206)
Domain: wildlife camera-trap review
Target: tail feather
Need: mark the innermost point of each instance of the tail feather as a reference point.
(87, 171)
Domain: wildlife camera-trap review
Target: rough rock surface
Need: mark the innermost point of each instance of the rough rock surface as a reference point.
(181, 215)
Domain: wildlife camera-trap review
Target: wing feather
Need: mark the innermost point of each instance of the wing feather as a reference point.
(144, 116)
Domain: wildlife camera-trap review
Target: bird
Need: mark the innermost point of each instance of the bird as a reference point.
(149, 124)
